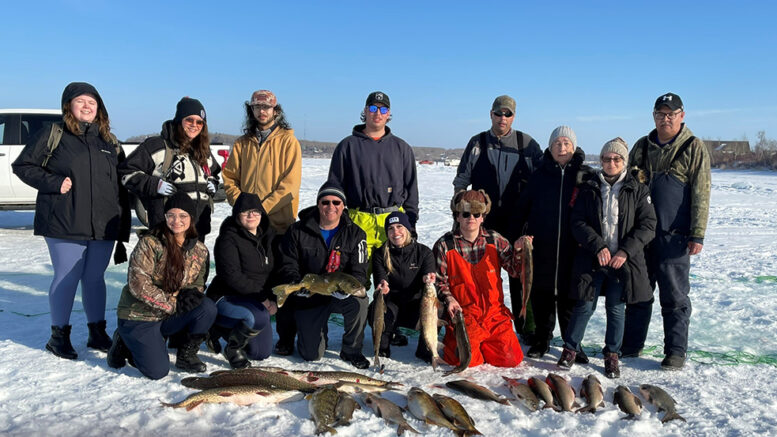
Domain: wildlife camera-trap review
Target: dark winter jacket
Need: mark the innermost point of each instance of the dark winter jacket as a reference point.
(376, 174)
(545, 208)
(244, 262)
(303, 250)
(97, 206)
(636, 228)
(409, 265)
(142, 170)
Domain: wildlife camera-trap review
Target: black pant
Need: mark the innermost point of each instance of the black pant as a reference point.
(285, 324)
(546, 305)
(404, 314)
(312, 322)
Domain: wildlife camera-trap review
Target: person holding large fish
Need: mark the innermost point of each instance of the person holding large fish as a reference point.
(400, 268)
(469, 262)
(325, 242)
(612, 221)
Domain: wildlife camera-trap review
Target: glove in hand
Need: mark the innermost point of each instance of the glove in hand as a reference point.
(188, 299)
(303, 293)
(211, 188)
(166, 188)
(340, 295)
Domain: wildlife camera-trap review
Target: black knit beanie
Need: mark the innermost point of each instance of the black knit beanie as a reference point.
(186, 107)
(330, 189)
(182, 201)
(245, 202)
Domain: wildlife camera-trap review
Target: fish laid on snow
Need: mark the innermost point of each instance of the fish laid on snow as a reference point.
(627, 402)
(378, 325)
(456, 413)
(563, 391)
(463, 348)
(322, 405)
(256, 377)
(344, 409)
(592, 391)
(523, 393)
(322, 284)
(332, 377)
(389, 411)
(527, 274)
(429, 321)
(543, 391)
(663, 402)
(240, 395)
(423, 407)
(476, 391)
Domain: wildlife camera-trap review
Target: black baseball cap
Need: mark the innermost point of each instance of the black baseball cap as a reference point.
(378, 97)
(670, 100)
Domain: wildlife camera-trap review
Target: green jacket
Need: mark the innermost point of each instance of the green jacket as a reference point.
(143, 299)
(693, 169)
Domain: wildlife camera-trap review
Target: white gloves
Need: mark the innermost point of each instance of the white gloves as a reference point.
(211, 188)
(340, 295)
(166, 188)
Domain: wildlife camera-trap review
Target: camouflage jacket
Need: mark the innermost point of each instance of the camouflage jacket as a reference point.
(143, 299)
(693, 169)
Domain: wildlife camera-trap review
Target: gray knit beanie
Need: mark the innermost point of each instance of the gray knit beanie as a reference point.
(619, 146)
(563, 131)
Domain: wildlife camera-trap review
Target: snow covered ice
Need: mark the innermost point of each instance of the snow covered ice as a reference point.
(728, 386)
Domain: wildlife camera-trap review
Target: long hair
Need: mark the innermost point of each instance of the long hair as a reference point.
(387, 251)
(251, 124)
(172, 274)
(198, 148)
(103, 123)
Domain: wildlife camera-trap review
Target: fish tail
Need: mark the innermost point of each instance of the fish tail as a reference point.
(672, 416)
(436, 361)
(405, 427)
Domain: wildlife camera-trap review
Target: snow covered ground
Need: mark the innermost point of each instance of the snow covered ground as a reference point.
(727, 388)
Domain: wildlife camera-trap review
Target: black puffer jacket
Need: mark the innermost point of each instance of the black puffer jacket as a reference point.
(303, 250)
(244, 262)
(544, 209)
(409, 264)
(636, 228)
(96, 207)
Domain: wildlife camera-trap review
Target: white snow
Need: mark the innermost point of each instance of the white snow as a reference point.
(727, 388)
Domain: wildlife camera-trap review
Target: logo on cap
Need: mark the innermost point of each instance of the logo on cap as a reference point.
(667, 97)
(394, 220)
(379, 96)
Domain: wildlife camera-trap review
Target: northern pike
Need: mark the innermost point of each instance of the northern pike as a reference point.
(322, 284)
(254, 377)
(324, 377)
(523, 393)
(662, 401)
(429, 321)
(463, 348)
(543, 391)
(456, 413)
(592, 391)
(423, 407)
(388, 411)
(378, 325)
(240, 395)
(344, 409)
(527, 274)
(564, 392)
(322, 405)
(476, 391)
(627, 402)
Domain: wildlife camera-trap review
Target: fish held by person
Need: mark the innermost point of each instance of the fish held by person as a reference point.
(627, 402)
(423, 407)
(240, 395)
(523, 393)
(378, 325)
(388, 411)
(429, 322)
(662, 401)
(593, 393)
(456, 414)
(476, 391)
(527, 273)
(324, 285)
(463, 347)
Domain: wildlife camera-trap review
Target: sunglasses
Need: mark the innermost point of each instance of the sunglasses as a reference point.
(251, 212)
(383, 110)
(467, 214)
(190, 120)
(507, 114)
(333, 202)
(615, 159)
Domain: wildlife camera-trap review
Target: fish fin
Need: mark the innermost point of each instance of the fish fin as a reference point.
(170, 405)
(587, 409)
(193, 405)
(672, 416)
(405, 427)
(436, 361)
(190, 381)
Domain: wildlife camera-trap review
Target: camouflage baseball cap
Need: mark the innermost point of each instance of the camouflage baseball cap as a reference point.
(263, 97)
(504, 102)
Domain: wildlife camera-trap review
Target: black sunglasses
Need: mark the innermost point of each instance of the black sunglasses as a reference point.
(467, 214)
(333, 202)
(507, 114)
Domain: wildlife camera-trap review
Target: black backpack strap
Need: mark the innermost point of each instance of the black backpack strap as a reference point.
(483, 142)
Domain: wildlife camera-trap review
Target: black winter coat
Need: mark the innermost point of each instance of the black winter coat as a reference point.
(303, 250)
(244, 262)
(409, 264)
(96, 207)
(636, 228)
(544, 210)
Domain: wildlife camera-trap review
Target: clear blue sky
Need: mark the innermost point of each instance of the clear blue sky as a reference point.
(596, 66)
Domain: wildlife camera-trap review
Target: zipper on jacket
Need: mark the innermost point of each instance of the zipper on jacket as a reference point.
(558, 234)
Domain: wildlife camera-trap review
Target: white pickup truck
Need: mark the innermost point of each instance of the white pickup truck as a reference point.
(17, 126)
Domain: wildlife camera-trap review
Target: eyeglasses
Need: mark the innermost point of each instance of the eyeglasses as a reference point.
(383, 109)
(182, 216)
(467, 214)
(191, 120)
(507, 114)
(261, 107)
(333, 202)
(251, 212)
(659, 115)
(614, 159)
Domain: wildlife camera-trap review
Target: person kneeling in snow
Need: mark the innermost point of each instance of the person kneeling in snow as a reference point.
(469, 280)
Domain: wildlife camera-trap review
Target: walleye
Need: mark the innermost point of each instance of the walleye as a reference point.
(423, 407)
(592, 391)
(463, 348)
(456, 413)
(527, 274)
(244, 377)
(627, 402)
(564, 392)
(324, 285)
(663, 402)
(475, 391)
(346, 404)
(378, 325)
(389, 411)
(240, 395)
(524, 393)
(322, 405)
(429, 321)
(542, 389)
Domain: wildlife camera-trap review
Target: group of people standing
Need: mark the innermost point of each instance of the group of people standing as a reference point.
(593, 234)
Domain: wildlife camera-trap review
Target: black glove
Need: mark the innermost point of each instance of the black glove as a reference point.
(120, 254)
(188, 299)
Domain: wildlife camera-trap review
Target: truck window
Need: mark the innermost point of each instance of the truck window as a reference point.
(32, 123)
(7, 134)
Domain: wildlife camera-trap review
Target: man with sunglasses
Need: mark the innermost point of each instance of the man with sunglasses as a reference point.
(325, 240)
(377, 170)
(677, 165)
(500, 161)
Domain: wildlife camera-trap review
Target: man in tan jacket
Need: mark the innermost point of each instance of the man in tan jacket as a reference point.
(266, 161)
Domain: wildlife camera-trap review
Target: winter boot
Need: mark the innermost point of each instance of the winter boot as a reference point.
(98, 338)
(538, 349)
(119, 353)
(238, 339)
(176, 340)
(567, 359)
(611, 369)
(283, 348)
(581, 357)
(673, 362)
(398, 339)
(59, 343)
(186, 358)
(215, 334)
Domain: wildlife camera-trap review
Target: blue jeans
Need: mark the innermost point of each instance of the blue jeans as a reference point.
(616, 315)
(234, 310)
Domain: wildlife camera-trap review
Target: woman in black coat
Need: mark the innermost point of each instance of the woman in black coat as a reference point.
(244, 261)
(612, 221)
